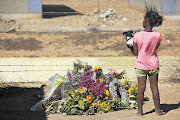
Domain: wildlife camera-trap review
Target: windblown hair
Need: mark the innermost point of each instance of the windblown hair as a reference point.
(152, 14)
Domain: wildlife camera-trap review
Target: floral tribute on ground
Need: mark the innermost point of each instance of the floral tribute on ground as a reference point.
(88, 90)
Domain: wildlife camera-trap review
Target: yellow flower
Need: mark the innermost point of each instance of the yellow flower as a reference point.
(104, 106)
(69, 91)
(136, 87)
(96, 67)
(99, 102)
(80, 90)
(106, 92)
(129, 91)
(81, 105)
(80, 101)
(76, 91)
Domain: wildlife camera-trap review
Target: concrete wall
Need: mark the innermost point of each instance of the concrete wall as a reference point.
(141, 3)
(9, 6)
(177, 7)
(137, 4)
(165, 7)
(21, 8)
(41, 69)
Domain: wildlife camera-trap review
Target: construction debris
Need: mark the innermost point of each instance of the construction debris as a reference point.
(105, 17)
(8, 25)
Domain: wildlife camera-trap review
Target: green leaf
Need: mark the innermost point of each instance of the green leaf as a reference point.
(73, 111)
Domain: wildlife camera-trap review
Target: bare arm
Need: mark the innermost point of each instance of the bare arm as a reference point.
(135, 49)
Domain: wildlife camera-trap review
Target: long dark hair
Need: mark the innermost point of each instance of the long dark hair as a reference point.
(152, 14)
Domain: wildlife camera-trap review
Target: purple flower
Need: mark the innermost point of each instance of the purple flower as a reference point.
(96, 88)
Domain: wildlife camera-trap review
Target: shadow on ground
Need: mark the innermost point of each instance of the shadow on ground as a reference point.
(15, 103)
(52, 11)
(20, 43)
(166, 108)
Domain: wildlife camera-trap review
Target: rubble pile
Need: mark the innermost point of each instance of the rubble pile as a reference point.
(108, 16)
(8, 25)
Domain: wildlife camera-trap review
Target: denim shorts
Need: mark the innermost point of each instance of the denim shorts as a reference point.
(140, 73)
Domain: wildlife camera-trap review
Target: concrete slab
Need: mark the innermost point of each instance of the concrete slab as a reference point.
(21, 15)
(41, 69)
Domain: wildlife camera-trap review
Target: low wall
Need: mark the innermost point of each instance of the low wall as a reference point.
(165, 7)
(141, 3)
(14, 6)
(21, 15)
(41, 69)
(21, 8)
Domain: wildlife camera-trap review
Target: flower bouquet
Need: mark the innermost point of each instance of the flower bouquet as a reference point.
(88, 91)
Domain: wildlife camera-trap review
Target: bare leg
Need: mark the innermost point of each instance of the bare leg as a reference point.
(140, 95)
(155, 93)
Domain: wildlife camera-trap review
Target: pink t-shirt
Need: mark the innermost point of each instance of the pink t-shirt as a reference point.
(147, 42)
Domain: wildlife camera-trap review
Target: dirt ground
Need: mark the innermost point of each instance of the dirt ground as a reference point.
(17, 98)
(75, 44)
(81, 15)
(82, 35)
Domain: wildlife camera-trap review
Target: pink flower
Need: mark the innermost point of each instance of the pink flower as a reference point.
(85, 73)
(91, 72)
(71, 76)
(84, 89)
(96, 70)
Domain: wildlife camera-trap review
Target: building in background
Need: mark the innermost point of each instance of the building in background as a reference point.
(20, 8)
(165, 7)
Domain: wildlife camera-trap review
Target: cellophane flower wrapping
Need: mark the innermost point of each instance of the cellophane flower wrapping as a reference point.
(87, 90)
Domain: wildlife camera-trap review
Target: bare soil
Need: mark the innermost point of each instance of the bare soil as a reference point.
(17, 98)
(49, 37)
(77, 15)
(77, 44)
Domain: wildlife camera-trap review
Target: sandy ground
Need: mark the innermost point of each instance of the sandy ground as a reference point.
(35, 37)
(15, 103)
(77, 44)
